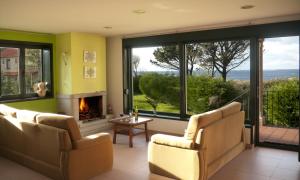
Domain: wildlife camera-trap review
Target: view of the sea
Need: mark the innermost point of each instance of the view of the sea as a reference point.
(267, 74)
(245, 74)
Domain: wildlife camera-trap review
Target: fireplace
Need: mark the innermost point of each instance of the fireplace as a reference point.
(84, 106)
(90, 108)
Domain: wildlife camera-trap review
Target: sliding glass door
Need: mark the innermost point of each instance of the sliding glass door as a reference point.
(279, 92)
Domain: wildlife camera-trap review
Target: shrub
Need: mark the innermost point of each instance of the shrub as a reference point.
(136, 82)
(282, 103)
(161, 87)
(203, 92)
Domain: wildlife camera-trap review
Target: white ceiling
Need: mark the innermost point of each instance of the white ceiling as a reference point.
(59, 16)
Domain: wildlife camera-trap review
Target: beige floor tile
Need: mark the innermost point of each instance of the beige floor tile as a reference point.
(131, 164)
(286, 174)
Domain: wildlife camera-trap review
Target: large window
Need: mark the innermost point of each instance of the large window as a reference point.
(23, 65)
(216, 74)
(178, 75)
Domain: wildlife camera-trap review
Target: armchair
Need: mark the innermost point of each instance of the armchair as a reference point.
(210, 141)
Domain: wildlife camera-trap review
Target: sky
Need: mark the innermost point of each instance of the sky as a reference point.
(279, 53)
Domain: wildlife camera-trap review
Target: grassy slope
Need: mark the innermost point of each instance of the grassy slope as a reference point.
(140, 102)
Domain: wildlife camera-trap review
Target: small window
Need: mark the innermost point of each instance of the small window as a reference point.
(23, 65)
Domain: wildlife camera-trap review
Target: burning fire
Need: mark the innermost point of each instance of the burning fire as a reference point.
(83, 106)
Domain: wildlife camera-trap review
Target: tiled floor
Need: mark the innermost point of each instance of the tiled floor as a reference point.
(279, 135)
(131, 164)
(262, 164)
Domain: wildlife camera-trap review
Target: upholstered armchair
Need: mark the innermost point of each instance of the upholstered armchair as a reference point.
(210, 141)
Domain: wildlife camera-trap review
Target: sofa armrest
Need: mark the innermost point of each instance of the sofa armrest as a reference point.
(91, 156)
(173, 162)
(92, 140)
(174, 141)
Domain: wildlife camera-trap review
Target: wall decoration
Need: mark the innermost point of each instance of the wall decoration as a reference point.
(89, 56)
(89, 72)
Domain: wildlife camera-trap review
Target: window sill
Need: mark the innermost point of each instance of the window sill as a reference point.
(160, 116)
(25, 99)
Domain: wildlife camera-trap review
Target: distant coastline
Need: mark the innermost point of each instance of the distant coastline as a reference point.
(245, 74)
(267, 74)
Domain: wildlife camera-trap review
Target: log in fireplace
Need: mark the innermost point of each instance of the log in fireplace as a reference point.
(90, 108)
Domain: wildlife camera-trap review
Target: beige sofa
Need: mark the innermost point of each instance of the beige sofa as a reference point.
(52, 144)
(211, 140)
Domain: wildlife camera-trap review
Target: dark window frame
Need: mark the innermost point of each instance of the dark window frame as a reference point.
(22, 45)
(252, 32)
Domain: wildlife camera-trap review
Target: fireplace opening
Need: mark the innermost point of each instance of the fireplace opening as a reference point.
(90, 108)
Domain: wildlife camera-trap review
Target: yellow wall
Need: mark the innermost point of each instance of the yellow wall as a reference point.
(90, 42)
(63, 44)
(72, 73)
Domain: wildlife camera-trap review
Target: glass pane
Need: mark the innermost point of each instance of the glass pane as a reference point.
(279, 99)
(155, 73)
(47, 68)
(217, 74)
(33, 68)
(10, 76)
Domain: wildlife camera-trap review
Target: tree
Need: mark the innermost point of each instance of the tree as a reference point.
(194, 56)
(169, 57)
(135, 63)
(221, 56)
(33, 68)
(225, 55)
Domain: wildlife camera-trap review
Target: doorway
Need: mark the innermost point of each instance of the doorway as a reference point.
(278, 124)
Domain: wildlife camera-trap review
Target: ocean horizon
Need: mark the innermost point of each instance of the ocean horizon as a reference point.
(267, 74)
(245, 74)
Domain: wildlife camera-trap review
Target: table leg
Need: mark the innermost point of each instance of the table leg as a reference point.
(115, 134)
(130, 137)
(146, 132)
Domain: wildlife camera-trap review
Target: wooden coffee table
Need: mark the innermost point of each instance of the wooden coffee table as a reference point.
(126, 125)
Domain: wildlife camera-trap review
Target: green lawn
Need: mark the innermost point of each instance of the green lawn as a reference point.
(141, 103)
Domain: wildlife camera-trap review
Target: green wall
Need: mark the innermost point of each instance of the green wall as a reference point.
(68, 64)
(44, 105)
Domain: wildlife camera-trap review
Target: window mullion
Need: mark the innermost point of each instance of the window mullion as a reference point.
(42, 64)
(183, 64)
(22, 71)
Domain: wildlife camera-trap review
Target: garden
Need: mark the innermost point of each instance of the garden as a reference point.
(156, 92)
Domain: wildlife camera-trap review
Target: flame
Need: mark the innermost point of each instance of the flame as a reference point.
(83, 106)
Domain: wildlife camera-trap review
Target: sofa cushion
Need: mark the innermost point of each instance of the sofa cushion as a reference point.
(92, 140)
(174, 141)
(60, 121)
(7, 110)
(230, 109)
(200, 121)
(27, 116)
